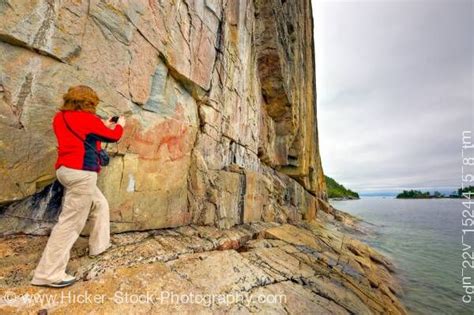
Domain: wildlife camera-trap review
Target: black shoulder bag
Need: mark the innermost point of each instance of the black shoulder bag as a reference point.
(103, 156)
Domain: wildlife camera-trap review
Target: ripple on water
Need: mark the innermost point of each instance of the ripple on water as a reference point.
(422, 237)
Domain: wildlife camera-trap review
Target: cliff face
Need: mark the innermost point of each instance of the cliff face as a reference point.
(220, 143)
(220, 99)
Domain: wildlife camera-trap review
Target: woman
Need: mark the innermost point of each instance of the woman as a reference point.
(78, 131)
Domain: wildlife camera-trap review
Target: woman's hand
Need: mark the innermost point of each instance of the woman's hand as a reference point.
(121, 121)
(108, 123)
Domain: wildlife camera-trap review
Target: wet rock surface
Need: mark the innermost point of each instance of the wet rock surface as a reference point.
(309, 267)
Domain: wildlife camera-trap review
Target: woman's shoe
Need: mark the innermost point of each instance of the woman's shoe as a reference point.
(67, 281)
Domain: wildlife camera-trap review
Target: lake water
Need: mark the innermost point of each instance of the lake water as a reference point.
(423, 238)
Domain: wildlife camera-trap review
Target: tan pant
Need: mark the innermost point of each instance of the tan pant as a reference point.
(81, 195)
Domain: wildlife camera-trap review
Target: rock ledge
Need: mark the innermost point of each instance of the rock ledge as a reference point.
(308, 267)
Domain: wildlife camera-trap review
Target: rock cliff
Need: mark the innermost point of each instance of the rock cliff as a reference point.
(217, 185)
(220, 99)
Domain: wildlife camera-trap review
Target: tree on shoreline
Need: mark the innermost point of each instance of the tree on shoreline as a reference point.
(469, 189)
(336, 190)
(417, 194)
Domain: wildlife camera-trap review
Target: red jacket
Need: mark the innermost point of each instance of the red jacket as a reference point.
(74, 152)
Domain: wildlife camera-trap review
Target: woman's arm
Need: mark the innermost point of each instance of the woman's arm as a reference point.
(104, 134)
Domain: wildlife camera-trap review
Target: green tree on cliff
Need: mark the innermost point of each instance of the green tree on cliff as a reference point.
(336, 190)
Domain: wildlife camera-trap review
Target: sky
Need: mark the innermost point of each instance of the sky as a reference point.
(394, 84)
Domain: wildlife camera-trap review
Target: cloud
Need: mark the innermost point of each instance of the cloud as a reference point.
(394, 84)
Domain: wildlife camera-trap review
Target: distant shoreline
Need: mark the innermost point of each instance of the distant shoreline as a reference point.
(389, 197)
(417, 194)
(447, 197)
(344, 198)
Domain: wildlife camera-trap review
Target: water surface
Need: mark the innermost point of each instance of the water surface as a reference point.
(423, 238)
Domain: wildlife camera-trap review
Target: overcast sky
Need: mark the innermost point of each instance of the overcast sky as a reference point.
(394, 85)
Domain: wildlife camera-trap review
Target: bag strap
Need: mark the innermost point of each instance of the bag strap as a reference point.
(70, 129)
